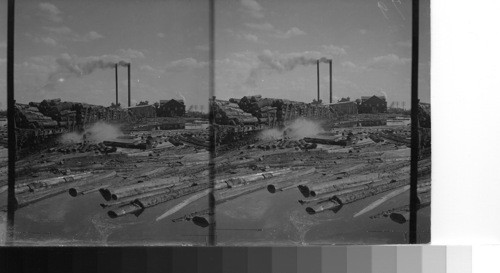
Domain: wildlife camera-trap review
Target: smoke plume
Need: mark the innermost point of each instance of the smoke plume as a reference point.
(70, 66)
(272, 61)
(299, 129)
(99, 132)
(181, 96)
(385, 95)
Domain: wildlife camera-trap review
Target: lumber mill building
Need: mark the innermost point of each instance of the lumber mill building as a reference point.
(344, 108)
(143, 111)
(372, 105)
(172, 108)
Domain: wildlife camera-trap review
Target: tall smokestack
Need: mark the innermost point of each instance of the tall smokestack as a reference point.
(128, 71)
(317, 64)
(331, 94)
(116, 82)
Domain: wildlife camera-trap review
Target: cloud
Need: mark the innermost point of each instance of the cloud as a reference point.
(92, 35)
(232, 76)
(231, 73)
(160, 35)
(387, 61)
(45, 40)
(274, 32)
(334, 50)
(130, 53)
(151, 69)
(404, 44)
(348, 64)
(202, 47)
(50, 12)
(61, 30)
(32, 75)
(253, 8)
(294, 31)
(246, 36)
(185, 64)
(251, 38)
(260, 26)
(49, 41)
(66, 33)
(3, 45)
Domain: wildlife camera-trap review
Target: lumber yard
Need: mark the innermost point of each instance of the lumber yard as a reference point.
(285, 171)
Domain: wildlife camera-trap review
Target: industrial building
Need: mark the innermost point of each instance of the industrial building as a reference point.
(344, 108)
(372, 105)
(172, 108)
(143, 111)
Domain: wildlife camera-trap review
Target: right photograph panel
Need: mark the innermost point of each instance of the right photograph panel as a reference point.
(312, 106)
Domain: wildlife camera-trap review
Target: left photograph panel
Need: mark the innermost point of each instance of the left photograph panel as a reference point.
(111, 122)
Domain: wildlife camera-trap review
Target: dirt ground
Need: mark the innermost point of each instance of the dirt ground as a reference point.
(247, 213)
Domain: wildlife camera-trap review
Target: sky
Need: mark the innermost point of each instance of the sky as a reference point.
(65, 49)
(270, 47)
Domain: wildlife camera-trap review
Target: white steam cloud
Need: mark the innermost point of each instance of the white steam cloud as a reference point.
(99, 132)
(299, 129)
(181, 96)
(385, 95)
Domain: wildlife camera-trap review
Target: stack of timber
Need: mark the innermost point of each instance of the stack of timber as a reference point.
(262, 108)
(230, 114)
(57, 110)
(81, 113)
(29, 117)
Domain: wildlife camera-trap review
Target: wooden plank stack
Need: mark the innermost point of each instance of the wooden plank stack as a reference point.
(265, 109)
(230, 113)
(31, 117)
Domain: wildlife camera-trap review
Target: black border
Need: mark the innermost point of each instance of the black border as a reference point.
(11, 197)
(414, 123)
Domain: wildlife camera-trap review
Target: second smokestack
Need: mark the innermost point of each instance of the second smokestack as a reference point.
(128, 72)
(116, 82)
(331, 94)
(317, 65)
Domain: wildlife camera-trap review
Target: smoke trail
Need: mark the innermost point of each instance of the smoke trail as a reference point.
(99, 132)
(69, 66)
(385, 95)
(299, 129)
(271, 61)
(182, 97)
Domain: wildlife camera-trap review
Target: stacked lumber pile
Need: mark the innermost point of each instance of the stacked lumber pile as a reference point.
(3, 135)
(230, 113)
(265, 109)
(56, 109)
(31, 117)
(65, 113)
(424, 123)
(424, 115)
(69, 113)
